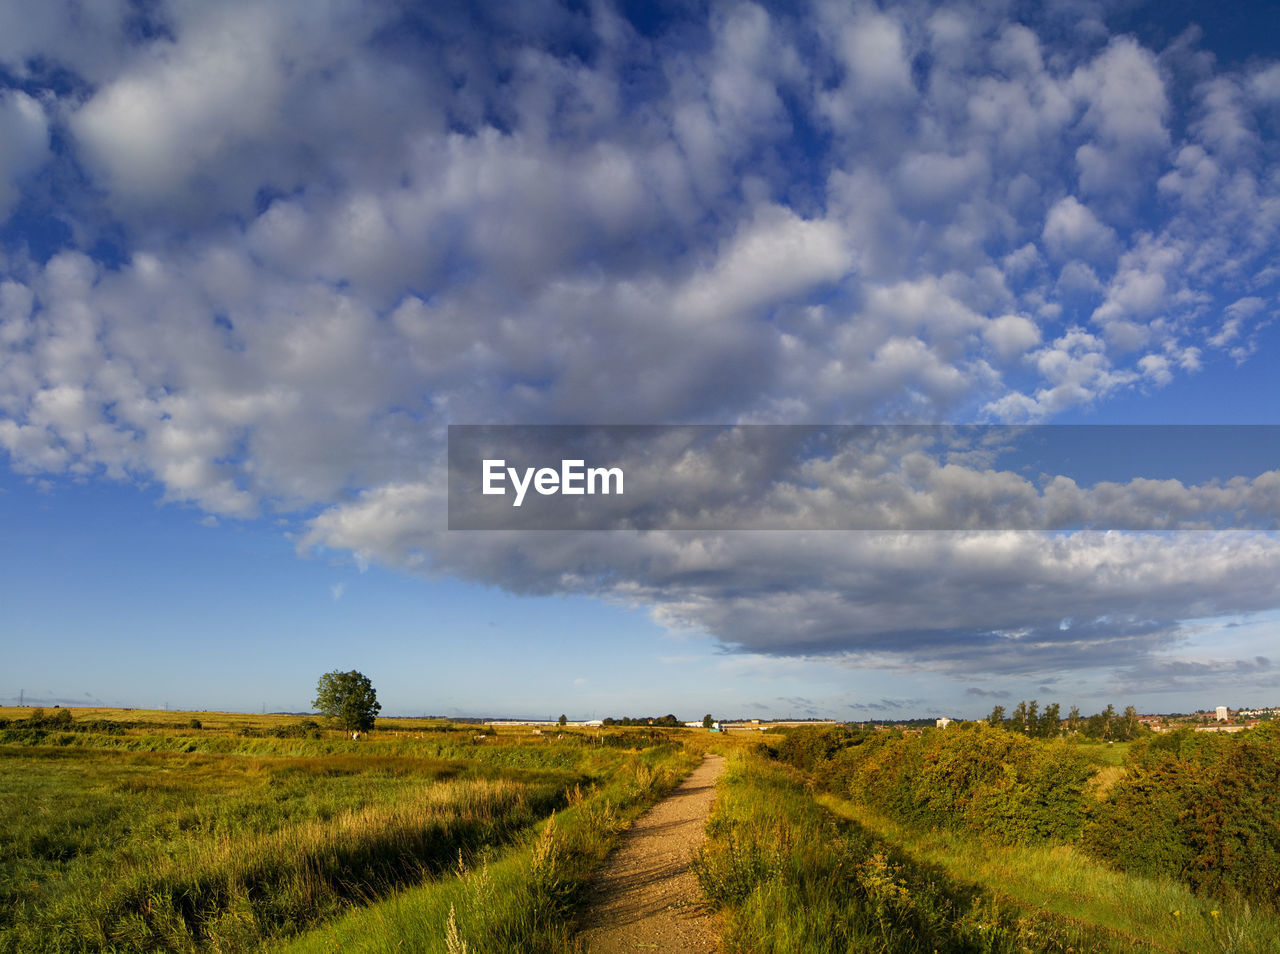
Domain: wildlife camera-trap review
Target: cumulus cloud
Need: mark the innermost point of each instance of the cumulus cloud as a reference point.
(1072, 229)
(1125, 104)
(303, 239)
(988, 601)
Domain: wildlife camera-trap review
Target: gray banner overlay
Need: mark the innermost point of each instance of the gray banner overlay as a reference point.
(864, 477)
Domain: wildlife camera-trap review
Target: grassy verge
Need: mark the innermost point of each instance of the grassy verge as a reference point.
(522, 899)
(1061, 879)
(794, 875)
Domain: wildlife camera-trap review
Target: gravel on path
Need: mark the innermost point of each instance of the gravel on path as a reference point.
(646, 897)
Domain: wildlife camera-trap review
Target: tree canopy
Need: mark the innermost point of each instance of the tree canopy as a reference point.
(349, 699)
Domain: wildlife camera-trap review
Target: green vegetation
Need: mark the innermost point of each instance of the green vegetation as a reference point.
(143, 831)
(1203, 806)
(795, 877)
(1170, 842)
(150, 834)
(349, 699)
(522, 899)
(668, 721)
(976, 777)
(1107, 726)
(795, 872)
(1122, 911)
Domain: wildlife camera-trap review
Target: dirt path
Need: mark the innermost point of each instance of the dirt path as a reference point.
(647, 898)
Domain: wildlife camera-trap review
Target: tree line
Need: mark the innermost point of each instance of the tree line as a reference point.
(1105, 726)
(667, 721)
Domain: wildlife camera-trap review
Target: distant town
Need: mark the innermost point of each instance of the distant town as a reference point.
(1218, 719)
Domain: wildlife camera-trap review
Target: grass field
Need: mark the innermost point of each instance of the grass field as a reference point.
(800, 871)
(130, 830)
(142, 831)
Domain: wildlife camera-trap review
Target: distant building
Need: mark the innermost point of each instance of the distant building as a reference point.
(943, 722)
(1222, 714)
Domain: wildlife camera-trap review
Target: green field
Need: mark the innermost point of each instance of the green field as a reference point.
(150, 831)
(137, 831)
(980, 840)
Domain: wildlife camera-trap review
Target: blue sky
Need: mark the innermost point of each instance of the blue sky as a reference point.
(256, 257)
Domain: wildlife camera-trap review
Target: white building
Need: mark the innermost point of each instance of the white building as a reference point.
(1222, 714)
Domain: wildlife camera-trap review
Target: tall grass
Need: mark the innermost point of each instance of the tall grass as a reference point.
(513, 752)
(794, 877)
(797, 872)
(156, 833)
(1158, 912)
(523, 899)
(122, 850)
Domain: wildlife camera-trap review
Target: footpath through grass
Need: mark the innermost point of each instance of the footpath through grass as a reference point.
(522, 899)
(799, 873)
(133, 840)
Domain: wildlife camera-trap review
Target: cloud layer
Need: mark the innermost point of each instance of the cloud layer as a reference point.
(262, 254)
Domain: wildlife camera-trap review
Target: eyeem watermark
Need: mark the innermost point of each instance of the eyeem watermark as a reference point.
(970, 478)
(574, 478)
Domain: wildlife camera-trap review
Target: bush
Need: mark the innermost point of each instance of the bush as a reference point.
(977, 777)
(1199, 806)
(795, 878)
(1039, 797)
(807, 748)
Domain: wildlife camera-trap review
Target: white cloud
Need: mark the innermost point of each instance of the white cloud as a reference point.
(1011, 335)
(776, 256)
(872, 50)
(1071, 229)
(1076, 370)
(1125, 105)
(1194, 178)
(184, 104)
(943, 597)
(333, 235)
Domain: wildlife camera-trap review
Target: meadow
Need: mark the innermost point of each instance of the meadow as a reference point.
(159, 831)
(981, 840)
(140, 831)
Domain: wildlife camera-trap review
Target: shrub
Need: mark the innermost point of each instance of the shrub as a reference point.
(978, 777)
(1201, 807)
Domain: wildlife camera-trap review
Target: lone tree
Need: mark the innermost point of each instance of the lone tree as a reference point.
(349, 699)
(563, 720)
(707, 721)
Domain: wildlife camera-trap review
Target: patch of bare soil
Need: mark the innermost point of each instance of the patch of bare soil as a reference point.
(646, 898)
